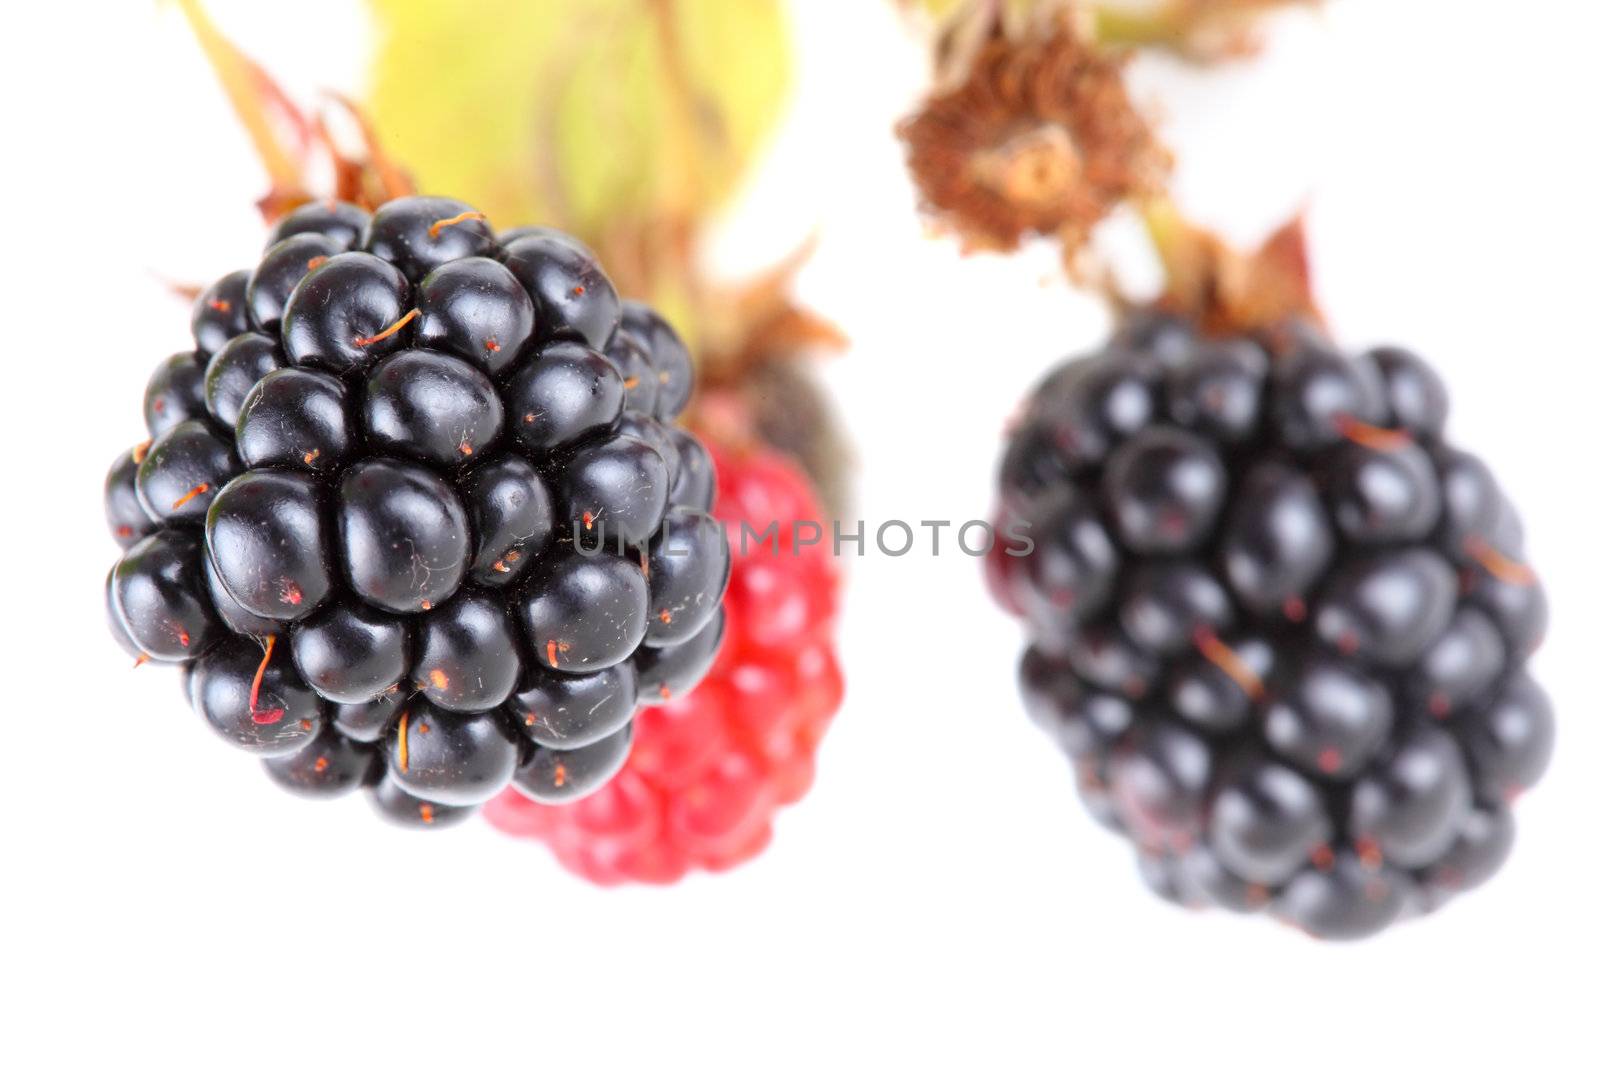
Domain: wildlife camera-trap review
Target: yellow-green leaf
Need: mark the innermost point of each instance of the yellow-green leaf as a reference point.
(582, 113)
(936, 8)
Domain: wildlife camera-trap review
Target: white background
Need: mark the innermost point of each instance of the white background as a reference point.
(939, 897)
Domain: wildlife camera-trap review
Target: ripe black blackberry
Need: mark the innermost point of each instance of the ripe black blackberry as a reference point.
(414, 515)
(1278, 623)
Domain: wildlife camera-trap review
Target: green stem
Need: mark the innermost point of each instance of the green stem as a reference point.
(1163, 27)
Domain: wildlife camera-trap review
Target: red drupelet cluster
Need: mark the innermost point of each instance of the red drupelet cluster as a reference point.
(710, 770)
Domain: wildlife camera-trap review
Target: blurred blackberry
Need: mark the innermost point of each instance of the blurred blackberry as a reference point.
(1280, 625)
(404, 491)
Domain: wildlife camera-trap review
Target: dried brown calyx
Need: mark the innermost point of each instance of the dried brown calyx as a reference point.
(370, 176)
(759, 320)
(286, 138)
(1037, 137)
(1265, 291)
(757, 385)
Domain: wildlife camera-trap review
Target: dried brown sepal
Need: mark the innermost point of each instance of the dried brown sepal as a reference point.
(278, 130)
(759, 321)
(656, 259)
(780, 406)
(286, 137)
(757, 389)
(1266, 291)
(1039, 138)
(349, 174)
(381, 179)
(187, 292)
(965, 28)
(792, 411)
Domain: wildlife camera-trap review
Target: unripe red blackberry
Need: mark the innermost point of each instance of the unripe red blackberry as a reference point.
(710, 770)
(403, 481)
(1279, 625)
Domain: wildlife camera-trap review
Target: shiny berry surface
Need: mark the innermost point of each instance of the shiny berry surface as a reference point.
(351, 652)
(181, 474)
(432, 407)
(158, 595)
(395, 805)
(396, 516)
(568, 394)
(696, 483)
(339, 222)
(512, 516)
(613, 491)
(466, 653)
(564, 775)
(1218, 394)
(233, 614)
(268, 537)
(221, 312)
(571, 294)
(1279, 625)
(343, 314)
(176, 392)
(584, 613)
(708, 770)
(419, 233)
(674, 669)
(270, 712)
(689, 567)
(332, 765)
(125, 516)
(371, 719)
(1278, 541)
(405, 535)
(235, 370)
(639, 380)
(296, 418)
(1163, 489)
(280, 270)
(561, 711)
(666, 353)
(475, 309)
(459, 760)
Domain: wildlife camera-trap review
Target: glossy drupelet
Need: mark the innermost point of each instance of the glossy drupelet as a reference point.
(709, 770)
(403, 494)
(1278, 623)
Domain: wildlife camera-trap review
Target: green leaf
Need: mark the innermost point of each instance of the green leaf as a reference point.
(588, 114)
(937, 8)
